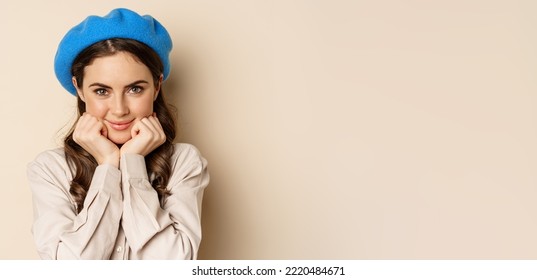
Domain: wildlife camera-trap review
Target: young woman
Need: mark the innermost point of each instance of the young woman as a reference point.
(119, 188)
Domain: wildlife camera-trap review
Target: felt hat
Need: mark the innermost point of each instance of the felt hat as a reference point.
(119, 23)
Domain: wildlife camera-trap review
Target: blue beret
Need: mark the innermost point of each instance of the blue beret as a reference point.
(119, 23)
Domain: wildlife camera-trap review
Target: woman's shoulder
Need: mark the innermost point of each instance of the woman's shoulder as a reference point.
(50, 164)
(187, 158)
(50, 157)
(187, 153)
(189, 168)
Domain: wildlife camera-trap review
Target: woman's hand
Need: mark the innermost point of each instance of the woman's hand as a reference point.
(91, 134)
(147, 135)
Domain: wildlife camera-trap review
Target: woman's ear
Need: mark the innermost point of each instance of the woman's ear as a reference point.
(159, 85)
(78, 90)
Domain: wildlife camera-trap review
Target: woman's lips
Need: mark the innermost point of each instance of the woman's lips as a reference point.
(119, 125)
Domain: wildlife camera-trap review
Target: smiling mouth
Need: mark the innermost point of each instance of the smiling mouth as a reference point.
(119, 125)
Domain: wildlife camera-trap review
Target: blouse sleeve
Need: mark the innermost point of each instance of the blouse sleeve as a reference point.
(172, 231)
(60, 233)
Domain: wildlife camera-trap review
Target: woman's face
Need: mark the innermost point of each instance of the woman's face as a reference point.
(119, 91)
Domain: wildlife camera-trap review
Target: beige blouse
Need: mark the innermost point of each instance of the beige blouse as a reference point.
(122, 216)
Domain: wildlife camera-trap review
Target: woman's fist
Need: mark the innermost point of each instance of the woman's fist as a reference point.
(91, 134)
(147, 135)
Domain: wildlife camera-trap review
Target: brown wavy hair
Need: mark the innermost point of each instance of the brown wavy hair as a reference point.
(81, 163)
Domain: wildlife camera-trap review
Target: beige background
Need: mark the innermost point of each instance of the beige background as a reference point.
(334, 129)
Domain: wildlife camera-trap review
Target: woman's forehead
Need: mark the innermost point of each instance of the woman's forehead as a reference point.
(118, 69)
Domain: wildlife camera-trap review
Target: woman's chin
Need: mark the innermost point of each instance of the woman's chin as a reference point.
(119, 140)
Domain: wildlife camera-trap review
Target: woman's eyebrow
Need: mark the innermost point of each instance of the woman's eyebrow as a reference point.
(99, 85)
(136, 83)
(127, 86)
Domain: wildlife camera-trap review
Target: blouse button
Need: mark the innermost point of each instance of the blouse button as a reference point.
(118, 249)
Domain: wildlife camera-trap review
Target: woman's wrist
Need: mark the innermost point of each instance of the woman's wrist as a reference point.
(112, 159)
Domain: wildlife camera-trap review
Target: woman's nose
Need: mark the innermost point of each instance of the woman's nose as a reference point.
(119, 106)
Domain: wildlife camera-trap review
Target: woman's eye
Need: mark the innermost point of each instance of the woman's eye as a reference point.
(100, 91)
(136, 89)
